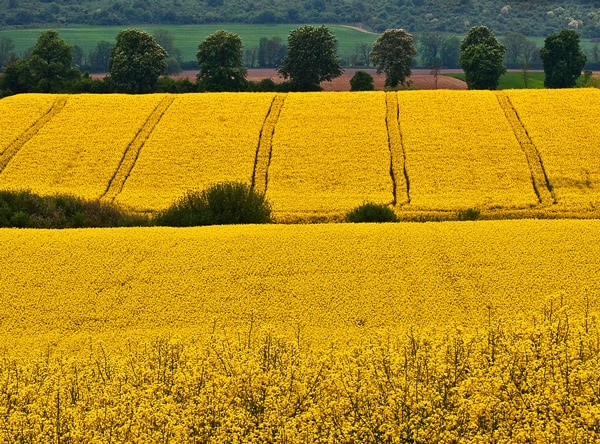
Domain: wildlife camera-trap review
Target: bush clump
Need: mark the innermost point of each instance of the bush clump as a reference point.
(362, 81)
(24, 209)
(372, 212)
(469, 214)
(221, 204)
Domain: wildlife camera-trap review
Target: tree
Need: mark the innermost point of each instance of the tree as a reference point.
(270, 52)
(361, 81)
(7, 49)
(136, 62)
(393, 53)
(562, 58)
(311, 58)
(431, 49)
(481, 58)
(220, 57)
(99, 57)
(165, 39)
(47, 69)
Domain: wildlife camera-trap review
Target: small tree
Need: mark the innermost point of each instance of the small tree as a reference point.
(136, 62)
(220, 57)
(481, 58)
(165, 39)
(48, 68)
(393, 53)
(562, 58)
(311, 58)
(361, 81)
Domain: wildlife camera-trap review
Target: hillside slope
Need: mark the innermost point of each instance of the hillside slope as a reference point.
(532, 18)
(318, 155)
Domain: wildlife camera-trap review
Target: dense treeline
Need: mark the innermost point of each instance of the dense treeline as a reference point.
(537, 18)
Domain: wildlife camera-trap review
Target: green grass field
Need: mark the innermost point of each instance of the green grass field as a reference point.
(515, 80)
(188, 37)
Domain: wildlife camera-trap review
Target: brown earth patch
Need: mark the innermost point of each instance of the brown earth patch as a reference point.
(421, 79)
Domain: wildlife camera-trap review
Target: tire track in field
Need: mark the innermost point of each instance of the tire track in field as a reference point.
(29, 133)
(132, 152)
(539, 178)
(401, 184)
(260, 175)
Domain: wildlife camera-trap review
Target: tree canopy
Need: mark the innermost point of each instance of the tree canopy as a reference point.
(220, 58)
(482, 58)
(48, 69)
(562, 58)
(392, 54)
(311, 58)
(136, 62)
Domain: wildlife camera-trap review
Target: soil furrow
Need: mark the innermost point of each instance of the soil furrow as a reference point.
(265, 146)
(132, 152)
(27, 135)
(398, 173)
(539, 178)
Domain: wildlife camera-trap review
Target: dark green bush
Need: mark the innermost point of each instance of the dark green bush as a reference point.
(469, 214)
(221, 204)
(362, 81)
(372, 212)
(24, 209)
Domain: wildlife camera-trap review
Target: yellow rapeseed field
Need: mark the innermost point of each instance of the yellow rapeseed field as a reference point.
(202, 139)
(563, 127)
(79, 149)
(461, 152)
(436, 332)
(19, 113)
(330, 154)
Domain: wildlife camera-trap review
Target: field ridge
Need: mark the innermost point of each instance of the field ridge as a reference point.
(132, 152)
(401, 184)
(28, 134)
(265, 145)
(539, 177)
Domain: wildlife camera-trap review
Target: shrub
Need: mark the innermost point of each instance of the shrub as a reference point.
(371, 212)
(24, 209)
(469, 214)
(221, 204)
(361, 81)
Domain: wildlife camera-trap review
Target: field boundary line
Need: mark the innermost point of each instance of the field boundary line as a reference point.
(132, 152)
(14, 147)
(400, 182)
(264, 150)
(539, 178)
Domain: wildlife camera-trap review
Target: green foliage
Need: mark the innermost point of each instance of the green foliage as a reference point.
(372, 212)
(220, 58)
(311, 58)
(24, 209)
(481, 58)
(562, 58)
(361, 81)
(166, 40)
(469, 214)
(48, 69)
(221, 204)
(520, 51)
(136, 62)
(392, 54)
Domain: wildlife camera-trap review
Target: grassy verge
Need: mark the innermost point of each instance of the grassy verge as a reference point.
(514, 80)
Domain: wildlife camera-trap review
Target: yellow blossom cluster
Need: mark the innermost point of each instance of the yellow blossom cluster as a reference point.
(200, 140)
(515, 383)
(19, 113)
(330, 154)
(461, 152)
(562, 125)
(80, 148)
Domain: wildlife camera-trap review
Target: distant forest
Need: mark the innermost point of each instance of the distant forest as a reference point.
(530, 17)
